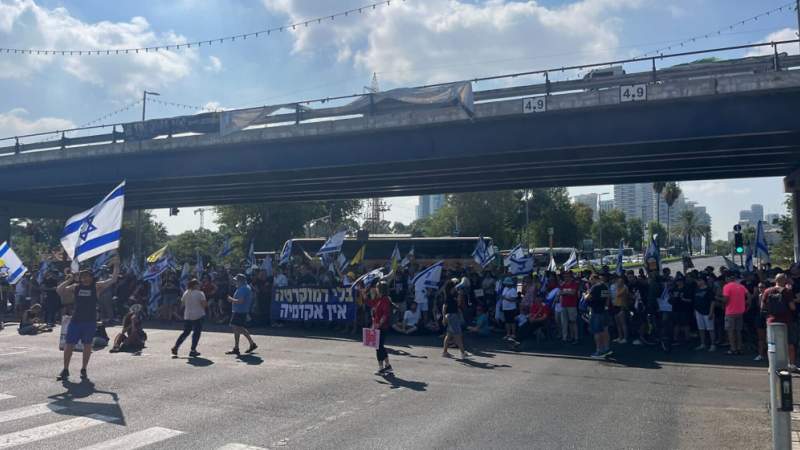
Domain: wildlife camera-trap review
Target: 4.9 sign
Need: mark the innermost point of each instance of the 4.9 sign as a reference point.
(633, 93)
(534, 104)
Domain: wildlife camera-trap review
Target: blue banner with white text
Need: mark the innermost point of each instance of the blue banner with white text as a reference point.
(313, 304)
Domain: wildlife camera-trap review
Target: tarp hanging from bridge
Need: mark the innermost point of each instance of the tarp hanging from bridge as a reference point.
(198, 123)
(452, 94)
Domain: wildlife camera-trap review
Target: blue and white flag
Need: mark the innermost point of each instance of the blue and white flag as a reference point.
(521, 265)
(429, 277)
(552, 267)
(135, 268)
(185, 276)
(155, 294)
(748, 259)
(157, 268)
(96, 230)
(620, 270)
(226, 247)
(407, 259)
(342, 262)
(652, 257)
(371, 277)
(43, 267)
(10, 264)
(518, 254)
(333, 244)
(572, 261)
(483, 254)
(198, 265)
(251, 258)
(762, 249)
(266, 265)
(100, 262)
(394, 261)
(286, 253)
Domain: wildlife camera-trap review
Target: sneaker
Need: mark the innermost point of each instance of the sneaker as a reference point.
(380, 371)
(637, 342)
(63, 376)
(463, 355)
(194, 353)
(596, 355)
(388, 370)
(445, 354)
(700, 347)
(713, 348)
(252, 348)
(622, 341)
(174, 351)
(758, 358)
(84, 376)
(607, 352)
(235, 351)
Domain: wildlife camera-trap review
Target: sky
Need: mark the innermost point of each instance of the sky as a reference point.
(408, 43)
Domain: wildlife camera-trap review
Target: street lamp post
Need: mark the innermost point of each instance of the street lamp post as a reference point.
(139, 217)
(600, 222)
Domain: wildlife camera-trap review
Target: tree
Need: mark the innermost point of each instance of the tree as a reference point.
(551, 208)
(609, 229)
(583, 219)
(658, 188)
(782, 254)
(690, 228)
(186, 245)
(477, 213)
(720, 248)
(655, 228)
(671, 194)
(635, 233)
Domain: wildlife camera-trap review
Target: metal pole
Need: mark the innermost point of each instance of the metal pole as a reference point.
(796, 223)
(778, 351)
(797, 9)
(144, 104)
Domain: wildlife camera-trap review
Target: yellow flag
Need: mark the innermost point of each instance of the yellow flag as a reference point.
(157, 255)
(359, 257)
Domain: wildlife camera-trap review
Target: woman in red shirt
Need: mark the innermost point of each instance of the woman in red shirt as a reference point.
(381, 314)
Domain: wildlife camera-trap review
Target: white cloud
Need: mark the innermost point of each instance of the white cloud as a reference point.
(446, 40)
(25, 24)
(214, 65)
(713, 188)
(785, 34)
(16, 122)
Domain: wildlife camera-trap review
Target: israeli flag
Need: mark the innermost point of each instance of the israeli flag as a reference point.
(572, 261)
(135, 269)
(517, 254)
(333, 244)
(552, 267)
(762, 249)
(342, 262)
(95, 230)
(156, 269)
(652, 257)
(198, 265)
(286, 253)
(428, 278)
(521, 266)
(407, 260)
(100, 262)
(748, 259)
(371, 277)
(155, 294)
(620, 270)
(226, 247)
(185, 274)
(483, 254)
(251, 258)
(266, 265)
(43, 266)
(10, 264)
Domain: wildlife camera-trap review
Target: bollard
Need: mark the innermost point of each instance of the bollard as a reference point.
(780, 386)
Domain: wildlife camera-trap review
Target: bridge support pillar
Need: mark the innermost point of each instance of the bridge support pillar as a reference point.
(792, 186)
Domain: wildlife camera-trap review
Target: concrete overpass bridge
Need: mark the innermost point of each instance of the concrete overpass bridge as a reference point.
(721, 119)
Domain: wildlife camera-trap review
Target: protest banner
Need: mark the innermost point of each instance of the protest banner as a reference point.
(313, 304)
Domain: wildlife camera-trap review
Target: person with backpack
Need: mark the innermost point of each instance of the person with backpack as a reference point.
(778, 303)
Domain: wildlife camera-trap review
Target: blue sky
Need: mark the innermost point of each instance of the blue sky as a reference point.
(407, 43)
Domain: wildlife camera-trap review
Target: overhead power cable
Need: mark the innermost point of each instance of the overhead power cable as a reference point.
(205, 42)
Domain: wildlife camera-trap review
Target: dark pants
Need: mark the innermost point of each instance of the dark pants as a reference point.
(380, 352)
(51, 307)
(191, 326)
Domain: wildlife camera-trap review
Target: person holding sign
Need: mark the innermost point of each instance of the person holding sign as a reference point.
(83, 290)
(381, 315)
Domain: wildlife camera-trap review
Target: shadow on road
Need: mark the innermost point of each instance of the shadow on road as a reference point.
(67, 403)
(198, 361)
(482, 365)
(250, 360)
(404, 353)
(395, 382)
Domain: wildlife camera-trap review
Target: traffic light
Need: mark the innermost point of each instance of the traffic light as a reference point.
(738, 243)
(173, 211)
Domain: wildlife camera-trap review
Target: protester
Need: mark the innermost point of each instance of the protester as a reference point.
(241, 302)
(381, 314)
(703, 303)
(536, 318)
(194, 312)
(453, 319)
(598, 298)
(621, 305)
(52, 302)
(83, 289)
(509, 300)
(568, 299)
(735, 295)
(132, 337)
(481, 327)
(778, 303)
(30, 323)
(410, 322)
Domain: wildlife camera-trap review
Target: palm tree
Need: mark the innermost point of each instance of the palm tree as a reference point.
(658, 187)
(671, 193)
(690, 228)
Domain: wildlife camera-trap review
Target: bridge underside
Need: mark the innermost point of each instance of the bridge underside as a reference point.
(731, 136)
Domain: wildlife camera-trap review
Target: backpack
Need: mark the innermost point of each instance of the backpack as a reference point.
(776, 304)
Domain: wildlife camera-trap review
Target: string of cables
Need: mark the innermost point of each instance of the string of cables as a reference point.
(206, 42)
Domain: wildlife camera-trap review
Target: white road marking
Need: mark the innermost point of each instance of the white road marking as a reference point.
(5, 396)
(240, 447)
(52, 430)
(136, 440)
(28, 411)
(14, 353)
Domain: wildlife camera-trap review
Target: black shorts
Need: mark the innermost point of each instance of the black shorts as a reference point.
(510, 316)
(238, 319)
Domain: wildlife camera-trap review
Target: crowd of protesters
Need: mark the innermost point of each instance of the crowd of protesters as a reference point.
(713, 310)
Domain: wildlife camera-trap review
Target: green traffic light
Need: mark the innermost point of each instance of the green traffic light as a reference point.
(739, 249)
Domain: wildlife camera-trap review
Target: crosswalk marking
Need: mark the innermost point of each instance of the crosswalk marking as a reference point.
(52, 430)
(240, 447)
(28, 411)
(136, 440)
(5, 396)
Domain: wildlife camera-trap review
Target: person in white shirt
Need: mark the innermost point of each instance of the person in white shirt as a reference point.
(194, 304)
(281, 280)
(410, 320)
(509, 299)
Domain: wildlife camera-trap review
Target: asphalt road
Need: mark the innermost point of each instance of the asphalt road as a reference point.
(311, 388)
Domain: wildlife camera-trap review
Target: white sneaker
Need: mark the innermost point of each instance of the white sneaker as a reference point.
(758, 358)
(637, 342)
(700, 347)
(622, 341)
(713, 348)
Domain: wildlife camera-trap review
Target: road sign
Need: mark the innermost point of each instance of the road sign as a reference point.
(633, 93)
(534, 104)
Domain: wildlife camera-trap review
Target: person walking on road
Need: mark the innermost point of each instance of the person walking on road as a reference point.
(381, 308)
(84, 290)
(194, 313)
(241, 302)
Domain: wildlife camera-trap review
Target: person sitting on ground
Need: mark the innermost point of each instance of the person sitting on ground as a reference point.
(410, 320)
(538, 316)
(481, 327)
(30, 323)
(132, 337)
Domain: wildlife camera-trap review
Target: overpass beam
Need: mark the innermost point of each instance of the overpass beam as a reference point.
(791, 186)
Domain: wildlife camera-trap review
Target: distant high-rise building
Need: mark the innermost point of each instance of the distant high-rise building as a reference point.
(636, 201)
(589, 200)
(429, 204)
(606, 205)
(750, 217)
(772, 218)
(757, 212)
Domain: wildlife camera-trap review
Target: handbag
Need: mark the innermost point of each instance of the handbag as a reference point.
(370, 337)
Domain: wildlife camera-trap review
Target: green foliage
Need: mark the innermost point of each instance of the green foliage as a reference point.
(609, 229)
(551, 208)
(635, 233)
(154, 235)
(689, 228)
(782, 254)
(209, 243)
(656, 228)
(720, 248)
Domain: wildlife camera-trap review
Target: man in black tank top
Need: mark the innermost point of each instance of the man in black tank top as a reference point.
(82, 290)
